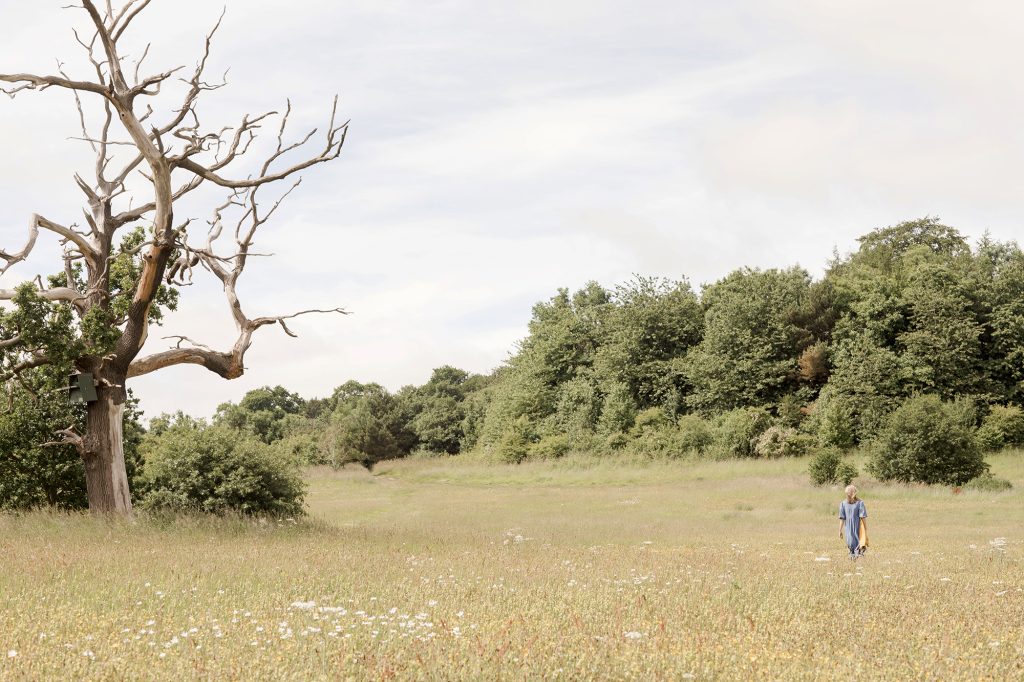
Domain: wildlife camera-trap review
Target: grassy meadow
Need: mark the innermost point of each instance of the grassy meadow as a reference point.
(575, 569)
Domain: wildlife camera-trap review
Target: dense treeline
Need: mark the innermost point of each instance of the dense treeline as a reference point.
(913, 345)
(653, 366)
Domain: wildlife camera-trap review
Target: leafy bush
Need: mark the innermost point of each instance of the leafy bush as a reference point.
(514, 444)
(306, 446)
(696, 434)
(1002, 427)
(737, 431)
(618, 410)
(616, 441)
(988, 483)
(989, 439)
(261, 412)
(779, 441)
(844, 421)
(653, 435)
(845, 473)
(657, 443)
(192, 467)
(823, 466)
(828, 467)
(926, 440)
(549, 447)
(651, 419)
(789, 411)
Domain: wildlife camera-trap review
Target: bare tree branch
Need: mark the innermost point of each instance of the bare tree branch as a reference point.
(228, 365)
(36, 360)
(335, 139)
(83, 243)
(119, 26)
(66, 294)
(28, 81)
(13, 258)
(120, 86)
(71, 437)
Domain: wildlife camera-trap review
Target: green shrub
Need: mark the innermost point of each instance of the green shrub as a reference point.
(823, 466)
(988, 483)
(549, 447)
(618, 410)
(307, 447)
(616, 441)
(657, 443)
(780, 441)
(192, 467)
(696, 434)
(588, 442)
(926, 440)
(835, 424)
(845, 473)
(789, 411)
(737, 431)
(514, 444)
(989, 438)
(1002, 427)
(653, 418)
(828, 467)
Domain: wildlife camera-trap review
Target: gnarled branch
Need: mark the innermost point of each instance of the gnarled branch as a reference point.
(30, 81)
(56, 294)
(229, 365)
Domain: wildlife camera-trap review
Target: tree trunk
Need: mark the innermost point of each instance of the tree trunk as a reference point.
(106, 479)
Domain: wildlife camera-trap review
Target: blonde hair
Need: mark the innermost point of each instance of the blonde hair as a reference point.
(851, 490)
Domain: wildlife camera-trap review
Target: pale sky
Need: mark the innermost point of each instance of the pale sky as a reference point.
(500, 150)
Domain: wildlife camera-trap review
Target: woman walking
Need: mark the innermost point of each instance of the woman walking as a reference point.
(852, 525)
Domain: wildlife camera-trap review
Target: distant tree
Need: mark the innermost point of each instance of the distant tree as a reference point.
(814, 316)
(748, 355)
(368, 425)
(998, 282)
(913, 309)
(885, 249)
(942, 343)
(565, 333)
(438, 410)
(867, 382)
(262, 412)
(652, 323)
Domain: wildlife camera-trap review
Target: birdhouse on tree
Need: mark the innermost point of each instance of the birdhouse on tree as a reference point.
(81, 388)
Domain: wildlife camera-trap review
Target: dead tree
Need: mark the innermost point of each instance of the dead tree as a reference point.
(144, 166)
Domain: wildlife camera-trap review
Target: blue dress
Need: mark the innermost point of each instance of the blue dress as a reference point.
(852, 514)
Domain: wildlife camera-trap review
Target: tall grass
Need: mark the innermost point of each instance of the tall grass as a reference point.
(571, 569)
